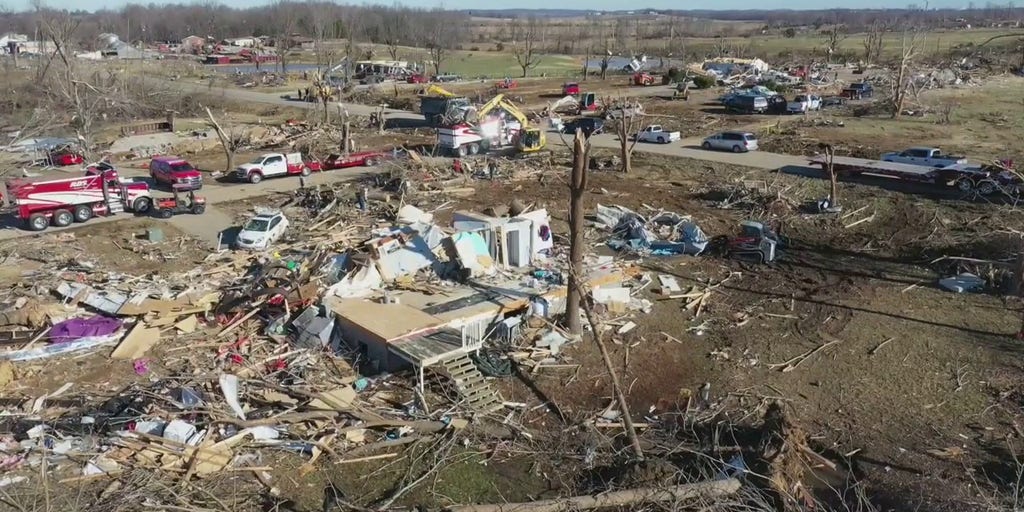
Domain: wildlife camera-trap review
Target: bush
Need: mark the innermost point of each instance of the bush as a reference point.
(789, 33)
(703, 82)
(500, 46)
(474, 48)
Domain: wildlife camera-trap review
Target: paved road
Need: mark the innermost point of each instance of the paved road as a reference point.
(208, 225)
(213, 222)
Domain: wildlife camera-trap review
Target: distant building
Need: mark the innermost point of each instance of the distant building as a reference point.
(192, 44)
(245, 42)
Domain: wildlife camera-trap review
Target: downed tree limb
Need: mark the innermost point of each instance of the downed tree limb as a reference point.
(708, 489)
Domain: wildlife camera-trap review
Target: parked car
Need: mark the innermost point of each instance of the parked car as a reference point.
(416, 78)
(655, 133)
(858, 91)
(570, 89)
(588, 125)
(737, 142)
(446, 78)
(803, 103)
(745, 104)
(261, 231)
(362, 158)
(175, 171)
(928, 157)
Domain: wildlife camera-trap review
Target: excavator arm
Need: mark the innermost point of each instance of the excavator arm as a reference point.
(434, 90)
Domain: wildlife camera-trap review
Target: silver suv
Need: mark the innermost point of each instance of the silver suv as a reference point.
(737, 142)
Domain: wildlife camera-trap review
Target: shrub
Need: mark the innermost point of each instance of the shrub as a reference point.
(703, 82)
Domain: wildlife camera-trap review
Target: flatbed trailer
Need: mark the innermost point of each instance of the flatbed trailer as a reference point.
(967, 178)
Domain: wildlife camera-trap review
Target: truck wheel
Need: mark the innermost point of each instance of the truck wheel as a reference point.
(736, 149)
(370, 162)
(164, 213)
(661, 140)
(255, 178)
(305, 171)
(461, 151)
(987, 187)
(62, 218)
(37, 222)
(83, 212)
(199, 209)
(141, 205)
(964, 185)
(474, 149)
(706, 145)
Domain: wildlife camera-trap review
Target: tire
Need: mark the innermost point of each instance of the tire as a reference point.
(37, 222)
(964, 185)
(255, 178)
(198, 209)
(62, 218)
(83, 212)
(706, 145)
(142, 205)
(474, 149)
(461, 151)
(737, 149)
(370, 162)
(305, 171)
(661, 140)
(164, 213)
(987, 187)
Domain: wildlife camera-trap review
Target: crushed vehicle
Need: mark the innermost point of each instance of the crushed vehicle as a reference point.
(929, 157)
(416, 78)
(175, 171)
(184, 200)
(101, 191)
(802, 103)
(655, 133)
(272, 165)
(507, 127)
(262, 230)
(737, 142)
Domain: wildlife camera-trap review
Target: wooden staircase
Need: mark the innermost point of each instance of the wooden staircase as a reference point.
(472, 384)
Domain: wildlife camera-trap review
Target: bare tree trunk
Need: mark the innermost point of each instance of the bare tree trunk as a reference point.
(615, 499)
(346, 135)
(225, 142)
(833, 195)
(577, 187)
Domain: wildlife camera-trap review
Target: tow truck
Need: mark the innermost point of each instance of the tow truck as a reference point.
(493, 132)
(64, 201)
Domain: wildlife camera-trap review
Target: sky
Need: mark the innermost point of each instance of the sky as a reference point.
(541, 4)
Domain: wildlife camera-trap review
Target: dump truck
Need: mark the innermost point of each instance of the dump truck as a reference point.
(443, 108)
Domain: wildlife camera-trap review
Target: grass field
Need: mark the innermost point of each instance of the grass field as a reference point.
(768, 47)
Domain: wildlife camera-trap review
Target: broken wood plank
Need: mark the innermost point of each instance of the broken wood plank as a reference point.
(137, 342)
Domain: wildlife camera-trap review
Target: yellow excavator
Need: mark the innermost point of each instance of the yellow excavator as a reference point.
(530, 139)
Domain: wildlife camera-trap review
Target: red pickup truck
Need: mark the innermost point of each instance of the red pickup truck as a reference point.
(173, 170)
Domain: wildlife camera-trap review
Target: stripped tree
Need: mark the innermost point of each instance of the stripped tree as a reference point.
(627, 119)
(525, 40)
(874, 42)
(834, 36)
(901, 83)
(577, 188)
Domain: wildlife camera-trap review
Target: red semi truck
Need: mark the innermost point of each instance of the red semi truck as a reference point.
(64, 201)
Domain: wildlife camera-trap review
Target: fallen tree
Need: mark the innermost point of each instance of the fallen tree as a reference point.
(708, 489)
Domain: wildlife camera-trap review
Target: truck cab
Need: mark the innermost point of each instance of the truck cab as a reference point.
(930, 157)
(264, 166)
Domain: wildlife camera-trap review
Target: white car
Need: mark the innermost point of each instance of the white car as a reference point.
(804, 103)
(261, 231)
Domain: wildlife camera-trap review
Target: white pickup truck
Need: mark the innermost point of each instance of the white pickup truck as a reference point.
(655, 133)
(928, 157)
(272, 165)
(804, 103)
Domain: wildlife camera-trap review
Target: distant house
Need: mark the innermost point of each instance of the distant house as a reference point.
(192, 44)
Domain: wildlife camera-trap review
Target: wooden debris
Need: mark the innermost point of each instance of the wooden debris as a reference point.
(792, 364)
(137, 342)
